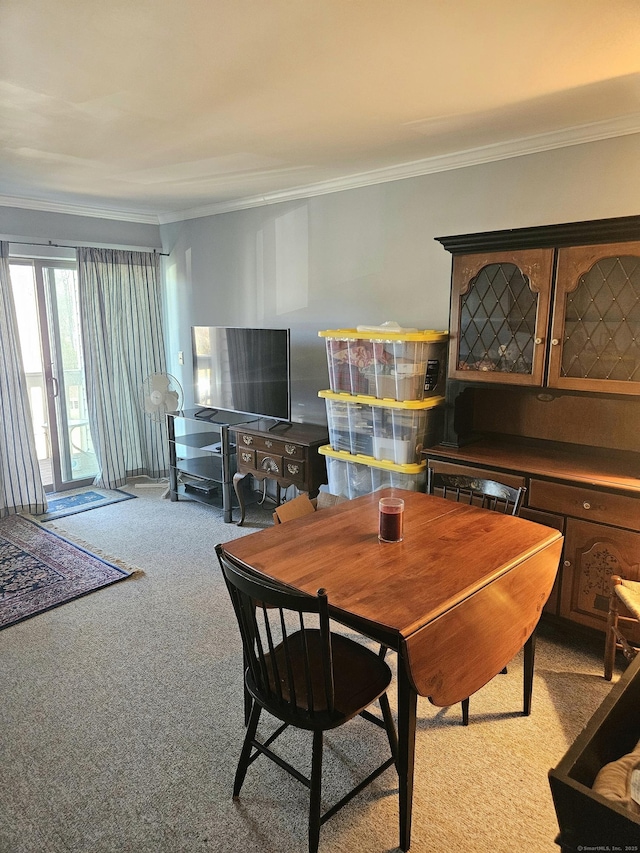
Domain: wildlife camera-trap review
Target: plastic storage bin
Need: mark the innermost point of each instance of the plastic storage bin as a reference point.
(352, 476)
(386, 430)
(387, 365)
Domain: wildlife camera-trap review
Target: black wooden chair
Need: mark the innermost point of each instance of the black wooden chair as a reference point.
(488, 494)
(303, 674)
(498, 497)
(626, 593)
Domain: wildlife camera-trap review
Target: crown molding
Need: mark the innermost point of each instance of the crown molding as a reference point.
(78, 210)
(579, 135)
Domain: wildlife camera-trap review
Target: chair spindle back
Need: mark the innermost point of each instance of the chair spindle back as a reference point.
(488, 494)
(286, 642)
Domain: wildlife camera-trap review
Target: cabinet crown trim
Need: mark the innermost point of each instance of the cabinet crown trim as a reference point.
(620, 229)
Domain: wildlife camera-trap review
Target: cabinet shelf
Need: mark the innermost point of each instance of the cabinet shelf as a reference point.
(200, 440)
(601, 467)
(214, 499)
(204, 467)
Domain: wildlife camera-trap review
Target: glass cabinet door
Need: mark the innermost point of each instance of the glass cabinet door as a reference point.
(595, 339)
(500, 315)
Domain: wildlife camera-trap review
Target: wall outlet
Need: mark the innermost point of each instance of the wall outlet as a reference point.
(181, 357)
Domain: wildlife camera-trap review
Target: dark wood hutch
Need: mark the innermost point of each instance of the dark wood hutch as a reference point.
(543, 390)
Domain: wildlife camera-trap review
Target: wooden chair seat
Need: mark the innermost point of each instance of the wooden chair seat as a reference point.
(359, 678)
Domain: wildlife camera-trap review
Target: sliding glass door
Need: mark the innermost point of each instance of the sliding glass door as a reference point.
(46, 300)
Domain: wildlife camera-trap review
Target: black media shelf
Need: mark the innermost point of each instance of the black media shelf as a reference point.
(202, 459)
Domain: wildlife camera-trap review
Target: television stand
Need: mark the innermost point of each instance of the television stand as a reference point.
(202, 457)
(290, 460)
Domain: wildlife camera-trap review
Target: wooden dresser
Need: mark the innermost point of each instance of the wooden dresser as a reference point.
(286, 454)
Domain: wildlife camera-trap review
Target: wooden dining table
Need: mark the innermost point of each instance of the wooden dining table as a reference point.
(456, 599)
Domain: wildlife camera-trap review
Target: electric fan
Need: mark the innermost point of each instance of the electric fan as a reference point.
(161, 393)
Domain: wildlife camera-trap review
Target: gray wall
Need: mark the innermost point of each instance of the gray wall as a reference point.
(368, 255)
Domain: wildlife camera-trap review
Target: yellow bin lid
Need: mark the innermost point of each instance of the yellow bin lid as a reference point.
(385, 402)
(427, 335)
(361, 459)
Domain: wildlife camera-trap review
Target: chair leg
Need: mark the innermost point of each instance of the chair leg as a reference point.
(389, 725)
(529, 657)
(247, 696)
(465, 711)
(245, 754)
(316, 788)
(247, 706)
(610, 642)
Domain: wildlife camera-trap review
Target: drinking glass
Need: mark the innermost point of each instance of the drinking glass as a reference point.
(391, 517)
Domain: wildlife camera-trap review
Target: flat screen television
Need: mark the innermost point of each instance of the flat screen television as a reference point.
(242, 370)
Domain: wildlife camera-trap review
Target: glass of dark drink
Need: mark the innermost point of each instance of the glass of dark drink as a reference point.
(391, 513)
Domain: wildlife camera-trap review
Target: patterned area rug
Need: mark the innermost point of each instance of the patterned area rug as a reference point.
(80, 500)
(40, 570)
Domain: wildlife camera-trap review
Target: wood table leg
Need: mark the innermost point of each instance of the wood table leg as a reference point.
(407, 704)
(529, 657)
(237, 480)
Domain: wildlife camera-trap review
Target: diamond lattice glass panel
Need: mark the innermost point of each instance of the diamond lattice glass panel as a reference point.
(602, 323)
(497, 321)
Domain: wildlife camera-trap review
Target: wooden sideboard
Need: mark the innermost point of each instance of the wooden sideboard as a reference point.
(542, 390)
(286, 454)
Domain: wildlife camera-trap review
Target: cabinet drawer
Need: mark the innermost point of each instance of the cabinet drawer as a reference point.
(260, 442)
(277, 446)
(246, 458)
(294, 470)
(545, 518)
(293, 451)
(484, 473)
(589, 504)
(269, 462)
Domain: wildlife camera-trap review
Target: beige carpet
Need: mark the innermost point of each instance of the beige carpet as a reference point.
(121, 721)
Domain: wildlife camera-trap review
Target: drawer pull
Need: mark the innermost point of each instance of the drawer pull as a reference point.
(268, 464)
(268, 443)
(586, 505)
(246, 457)
(248, 439)
(555, 342)
(293, 469)
(290, 448)
(537, 340)
(567, 564)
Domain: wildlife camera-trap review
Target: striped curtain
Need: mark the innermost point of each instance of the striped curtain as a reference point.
(20, 482)
(123, 339)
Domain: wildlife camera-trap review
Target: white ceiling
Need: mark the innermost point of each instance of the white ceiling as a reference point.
(161, 109)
